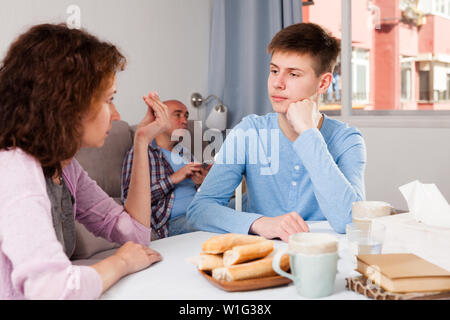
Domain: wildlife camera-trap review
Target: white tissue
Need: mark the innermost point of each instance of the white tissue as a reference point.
(427, 204)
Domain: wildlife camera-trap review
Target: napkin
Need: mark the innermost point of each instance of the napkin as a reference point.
(426, 204)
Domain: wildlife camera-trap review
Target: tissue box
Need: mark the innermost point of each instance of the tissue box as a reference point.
(403, 234)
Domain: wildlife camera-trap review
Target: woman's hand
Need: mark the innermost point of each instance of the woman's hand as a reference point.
(129, 258)
(155, 121)
(137, 257)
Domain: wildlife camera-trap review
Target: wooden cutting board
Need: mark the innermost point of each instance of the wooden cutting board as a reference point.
(246, 285)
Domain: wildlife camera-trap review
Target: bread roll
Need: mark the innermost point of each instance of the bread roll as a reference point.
(247, 252)
(208, 262)
(221, 243)
(250, 270)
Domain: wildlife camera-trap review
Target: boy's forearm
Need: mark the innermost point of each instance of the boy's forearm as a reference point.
(335, 190)
(210, 215)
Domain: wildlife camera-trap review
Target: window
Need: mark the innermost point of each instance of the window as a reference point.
(424, 86)
(332, 98)
(360, 76)
(440, 82)
(440, 7)
(447, 96)
(400, 55)
(406, 81)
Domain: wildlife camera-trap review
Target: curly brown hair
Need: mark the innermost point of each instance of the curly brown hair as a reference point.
(50, 80)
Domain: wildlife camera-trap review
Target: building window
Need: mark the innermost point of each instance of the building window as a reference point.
(443, 95)
(440, 7)
(406, 93)
(440, 81)
(360, 76)
(447, 97)
(333, 95)
(424, 85)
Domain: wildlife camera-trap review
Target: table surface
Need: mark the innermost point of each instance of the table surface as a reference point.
(175, 278)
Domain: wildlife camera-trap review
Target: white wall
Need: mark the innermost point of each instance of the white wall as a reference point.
(400, 153)
(166, 42)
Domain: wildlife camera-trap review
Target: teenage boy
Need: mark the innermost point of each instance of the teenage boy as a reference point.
(313, 167)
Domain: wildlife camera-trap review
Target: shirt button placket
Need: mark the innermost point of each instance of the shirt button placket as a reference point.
(294, 188)
(296, 175)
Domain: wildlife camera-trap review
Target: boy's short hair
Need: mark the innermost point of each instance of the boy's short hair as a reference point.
(308, 38)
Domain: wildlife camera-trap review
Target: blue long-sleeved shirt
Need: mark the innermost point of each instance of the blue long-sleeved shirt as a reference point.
(318, 175)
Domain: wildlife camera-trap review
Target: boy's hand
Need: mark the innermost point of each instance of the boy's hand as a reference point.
(279, 227)
(302, 115)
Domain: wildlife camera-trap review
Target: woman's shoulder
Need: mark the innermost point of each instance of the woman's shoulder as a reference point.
(20, 170)
(16, 154)
(16, 160)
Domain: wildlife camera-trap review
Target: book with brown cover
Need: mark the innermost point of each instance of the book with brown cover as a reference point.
(403, 272)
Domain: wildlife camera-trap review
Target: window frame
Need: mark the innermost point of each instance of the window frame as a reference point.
(406, 64)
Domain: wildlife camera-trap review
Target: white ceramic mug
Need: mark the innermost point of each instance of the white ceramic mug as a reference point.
(313, 262)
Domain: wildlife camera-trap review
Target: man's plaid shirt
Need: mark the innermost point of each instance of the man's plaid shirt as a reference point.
(162, 187)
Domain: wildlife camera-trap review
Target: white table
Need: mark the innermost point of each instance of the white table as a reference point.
(176, 279)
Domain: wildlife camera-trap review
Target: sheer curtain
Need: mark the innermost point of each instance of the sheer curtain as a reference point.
(238, 62)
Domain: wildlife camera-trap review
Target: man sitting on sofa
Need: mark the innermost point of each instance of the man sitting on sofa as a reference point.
(173, 174)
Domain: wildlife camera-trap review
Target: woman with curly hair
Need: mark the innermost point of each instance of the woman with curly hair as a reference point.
(56, 96)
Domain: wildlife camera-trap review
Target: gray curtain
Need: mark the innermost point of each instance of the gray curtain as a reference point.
(238, 62)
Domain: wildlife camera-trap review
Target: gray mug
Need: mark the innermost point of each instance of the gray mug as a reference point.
(313, 263)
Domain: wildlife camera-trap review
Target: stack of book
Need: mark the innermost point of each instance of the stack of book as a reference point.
(399, 276)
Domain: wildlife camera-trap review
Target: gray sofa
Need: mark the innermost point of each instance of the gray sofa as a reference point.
(104, 165)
